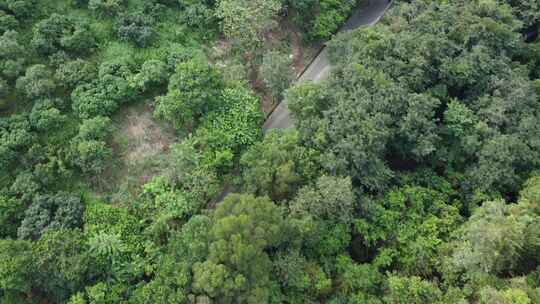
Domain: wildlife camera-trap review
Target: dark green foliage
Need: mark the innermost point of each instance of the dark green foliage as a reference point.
(22, 9)
(59, 211)
(136, 28)
(62, 264)
(528, 11)
(60, 32)
(106, 8)
(400, 102)
(11, 215)
(7, 22)
(91, 156)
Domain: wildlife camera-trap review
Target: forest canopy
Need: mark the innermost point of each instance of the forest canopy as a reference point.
(135, 167)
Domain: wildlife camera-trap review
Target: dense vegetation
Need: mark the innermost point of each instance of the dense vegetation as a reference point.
(412, 175)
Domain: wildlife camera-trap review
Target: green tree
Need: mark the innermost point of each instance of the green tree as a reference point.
(59, 211)
(46, 116)
(37, 82)
(245, 22)
(277, 72)
(412, 290)
(103, 96)
(60, 32)
(153, 74)
(194, 90)
(97, 128)
(106, 7)
(91, 156)
(16, 266)
(331, 199)
(75, 72)
(411, 223)
(136, 28)
(62, 264)
(11, 215)
(278, 166)
(234, 126)
(237, 267)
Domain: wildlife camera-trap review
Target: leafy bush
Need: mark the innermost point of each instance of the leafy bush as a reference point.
(61, 210)
(76, 72)
(194, 90)
(37, 82)
(235, 125)
(59, 32)
(136, 28)
(277, 72)
(106, 7)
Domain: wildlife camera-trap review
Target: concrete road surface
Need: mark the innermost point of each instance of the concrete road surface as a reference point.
(319, 69)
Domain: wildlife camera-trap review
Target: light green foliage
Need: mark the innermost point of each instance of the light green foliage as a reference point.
(412, 290)
(73, 73)
(358, 281)
(412, 223)
(45, 115)
(277, 72)
(331, 199)
(103, 218)
(37, 82)
(246, 21)
(514, 296)
(237, 267)
(332, 15)
(277, 166)
(153, 74)
(234, 126)
(16, 266)
(194, 90)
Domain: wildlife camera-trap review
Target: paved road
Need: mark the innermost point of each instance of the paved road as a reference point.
(319, 69)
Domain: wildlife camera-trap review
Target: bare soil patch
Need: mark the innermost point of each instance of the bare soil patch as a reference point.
(140, 144)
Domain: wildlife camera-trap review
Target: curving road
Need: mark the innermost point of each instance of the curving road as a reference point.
(319, 68)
